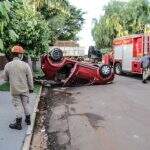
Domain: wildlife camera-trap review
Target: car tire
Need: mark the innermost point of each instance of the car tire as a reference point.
(118, 68)
(56, 54)
(105, 71)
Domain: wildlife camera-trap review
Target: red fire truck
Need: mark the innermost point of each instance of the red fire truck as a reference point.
(127, 52)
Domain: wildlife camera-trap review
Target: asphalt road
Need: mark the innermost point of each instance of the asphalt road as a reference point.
(109, 117)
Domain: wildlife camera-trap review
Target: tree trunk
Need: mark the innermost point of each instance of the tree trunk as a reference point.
(34, 65)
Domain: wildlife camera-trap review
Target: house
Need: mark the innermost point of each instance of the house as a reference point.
(70, 48)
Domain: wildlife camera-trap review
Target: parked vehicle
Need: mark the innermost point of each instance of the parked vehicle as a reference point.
(127, 52)
(94, 54)
(71, 72)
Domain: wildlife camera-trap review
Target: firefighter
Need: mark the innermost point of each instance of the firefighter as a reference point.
(145, 63)
(19, 75)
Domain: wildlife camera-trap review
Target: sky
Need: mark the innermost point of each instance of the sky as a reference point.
(93, 9)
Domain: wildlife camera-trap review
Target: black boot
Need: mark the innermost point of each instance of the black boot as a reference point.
(28, 120)
(17, 124)
(144, 81)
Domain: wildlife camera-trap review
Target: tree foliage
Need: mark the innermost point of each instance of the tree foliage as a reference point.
(121, 19)
(26, 28)
(4, 19)
(65, 21)
(36, 24)
(72, 24)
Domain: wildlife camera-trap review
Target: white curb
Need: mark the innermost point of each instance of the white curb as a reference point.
(29, 132)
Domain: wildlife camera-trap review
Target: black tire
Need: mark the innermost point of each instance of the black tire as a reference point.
(118, 68)
(56, 54)
(105, 71)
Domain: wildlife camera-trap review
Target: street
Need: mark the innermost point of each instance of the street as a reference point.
(109, 117)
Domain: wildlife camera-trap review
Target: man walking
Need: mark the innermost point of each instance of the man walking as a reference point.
(19, 75)
(145, 62)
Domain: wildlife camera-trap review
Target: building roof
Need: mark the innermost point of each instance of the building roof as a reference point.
(66, 44)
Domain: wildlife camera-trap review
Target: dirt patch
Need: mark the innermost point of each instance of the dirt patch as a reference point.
(61, 96)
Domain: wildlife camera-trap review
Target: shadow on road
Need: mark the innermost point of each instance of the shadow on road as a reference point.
(134, 76)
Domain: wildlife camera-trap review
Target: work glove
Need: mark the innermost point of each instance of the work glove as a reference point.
(30, 91)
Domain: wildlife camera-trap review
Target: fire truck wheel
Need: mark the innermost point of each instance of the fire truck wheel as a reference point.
(56, 54)
(105, 71)
(118, 68)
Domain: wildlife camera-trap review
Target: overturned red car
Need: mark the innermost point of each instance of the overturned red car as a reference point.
(71, 72)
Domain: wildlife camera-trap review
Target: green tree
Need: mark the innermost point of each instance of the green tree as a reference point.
(36, 24)
(65, 21)
(26, 27)
(121, 19)
(72, 24)
(4, 19)
(58, 5)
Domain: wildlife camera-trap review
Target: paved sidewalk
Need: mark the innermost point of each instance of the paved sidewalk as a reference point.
(11, 139)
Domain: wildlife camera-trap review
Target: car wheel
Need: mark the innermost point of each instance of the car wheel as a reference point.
(105, 71)
(56, 54)
(118, 68)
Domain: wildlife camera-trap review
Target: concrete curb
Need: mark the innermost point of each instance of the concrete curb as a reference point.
(29, 132)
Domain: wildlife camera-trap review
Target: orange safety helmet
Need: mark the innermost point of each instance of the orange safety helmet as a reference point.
(17, 49)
